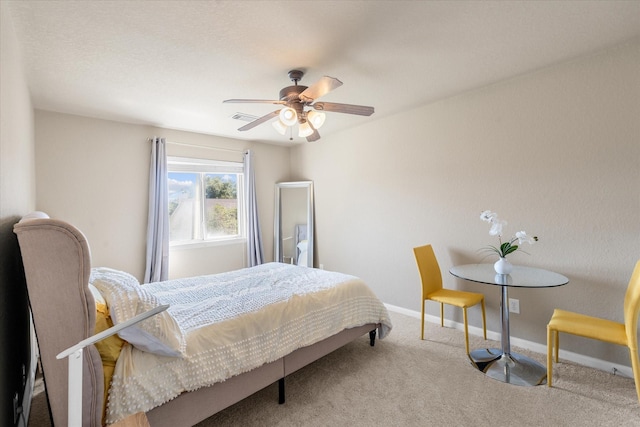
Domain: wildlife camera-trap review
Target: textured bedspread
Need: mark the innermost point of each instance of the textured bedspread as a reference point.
(237, 321)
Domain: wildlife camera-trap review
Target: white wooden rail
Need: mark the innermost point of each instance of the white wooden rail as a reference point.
(74, 354)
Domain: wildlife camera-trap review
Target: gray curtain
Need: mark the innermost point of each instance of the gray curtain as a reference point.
(157, 268)
(254, 236)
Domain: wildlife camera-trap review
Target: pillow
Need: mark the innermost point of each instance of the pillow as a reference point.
(34, 215)
(159, 334)
(109, 348)
(97, 296)
(303, 245)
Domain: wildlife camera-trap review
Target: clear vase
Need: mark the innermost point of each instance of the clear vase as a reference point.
(503, 266)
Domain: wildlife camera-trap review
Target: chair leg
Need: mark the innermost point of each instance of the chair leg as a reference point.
(422, 323)
(441, 314)
(484, 320)
(549, 355)
(466, 329)
(556, 345)
(635, 365)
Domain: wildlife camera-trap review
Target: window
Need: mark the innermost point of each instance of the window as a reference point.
(206, 200)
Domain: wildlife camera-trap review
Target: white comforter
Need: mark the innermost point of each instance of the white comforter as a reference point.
(237, 321)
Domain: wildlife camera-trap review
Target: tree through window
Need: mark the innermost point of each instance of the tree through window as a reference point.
(205, 200)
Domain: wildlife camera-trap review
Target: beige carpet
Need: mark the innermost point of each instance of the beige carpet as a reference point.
(404, 381)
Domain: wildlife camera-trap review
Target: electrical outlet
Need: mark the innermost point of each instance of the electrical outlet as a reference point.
(514, 305)
(321, 266)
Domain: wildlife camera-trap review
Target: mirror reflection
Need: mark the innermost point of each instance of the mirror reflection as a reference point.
(293, 228)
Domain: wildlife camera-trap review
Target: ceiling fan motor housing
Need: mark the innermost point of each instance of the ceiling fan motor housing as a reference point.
(291, 93)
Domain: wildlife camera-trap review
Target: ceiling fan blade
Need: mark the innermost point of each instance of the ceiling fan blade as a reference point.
(259, 120)
(360, 110)
(314, 136)
(323, 86)
(255, 101)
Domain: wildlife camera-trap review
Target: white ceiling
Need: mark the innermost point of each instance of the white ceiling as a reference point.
(172, 63)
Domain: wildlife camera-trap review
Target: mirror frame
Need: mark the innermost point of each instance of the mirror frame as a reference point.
(277, 229)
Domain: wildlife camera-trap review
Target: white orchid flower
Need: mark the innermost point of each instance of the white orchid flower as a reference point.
(496, 227)
(488, 216)
(522, 237)
(507, 247)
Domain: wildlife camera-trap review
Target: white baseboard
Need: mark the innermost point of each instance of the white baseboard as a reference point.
(580, 359)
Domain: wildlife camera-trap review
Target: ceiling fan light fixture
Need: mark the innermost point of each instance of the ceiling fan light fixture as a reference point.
(288, 116)
(316, 118)
(304, 130)
(280, 127)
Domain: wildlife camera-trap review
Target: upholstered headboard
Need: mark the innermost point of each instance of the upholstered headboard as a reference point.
(57, 264)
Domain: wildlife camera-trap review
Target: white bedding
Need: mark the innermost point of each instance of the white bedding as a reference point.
(237, 321)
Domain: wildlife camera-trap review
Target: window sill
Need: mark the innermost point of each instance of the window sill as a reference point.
(180, 246)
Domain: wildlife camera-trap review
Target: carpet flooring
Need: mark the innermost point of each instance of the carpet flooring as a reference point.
(404, 381)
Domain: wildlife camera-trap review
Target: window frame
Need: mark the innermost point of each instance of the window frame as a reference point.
(202, 167)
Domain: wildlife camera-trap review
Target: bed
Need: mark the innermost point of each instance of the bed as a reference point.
(65, 292)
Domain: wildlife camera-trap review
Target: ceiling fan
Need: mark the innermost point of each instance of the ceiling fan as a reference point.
(300, 107)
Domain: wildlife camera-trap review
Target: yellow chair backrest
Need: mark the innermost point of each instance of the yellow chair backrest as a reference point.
(632, 307)
(429, 269)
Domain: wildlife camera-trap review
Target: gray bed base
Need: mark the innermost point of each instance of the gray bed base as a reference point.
(57, 263)
(193, 407)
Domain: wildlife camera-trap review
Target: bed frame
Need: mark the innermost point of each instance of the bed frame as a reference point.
(57, 264)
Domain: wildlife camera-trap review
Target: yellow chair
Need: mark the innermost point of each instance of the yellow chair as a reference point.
(600, 329)
(432, 290)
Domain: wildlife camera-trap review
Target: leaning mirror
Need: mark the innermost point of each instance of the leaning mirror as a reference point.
(293, 227)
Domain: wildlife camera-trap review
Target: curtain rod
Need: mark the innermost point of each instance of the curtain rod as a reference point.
(203, 146)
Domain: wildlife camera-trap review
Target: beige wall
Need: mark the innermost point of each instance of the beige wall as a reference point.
(17, 176)
(94, 174)
(555, 153)
(18, 351)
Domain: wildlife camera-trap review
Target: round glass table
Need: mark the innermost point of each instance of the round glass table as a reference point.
(502, 364)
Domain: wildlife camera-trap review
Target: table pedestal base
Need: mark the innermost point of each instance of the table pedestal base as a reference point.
(512, 368)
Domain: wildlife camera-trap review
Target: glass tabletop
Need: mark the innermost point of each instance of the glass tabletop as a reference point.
(522, 277)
